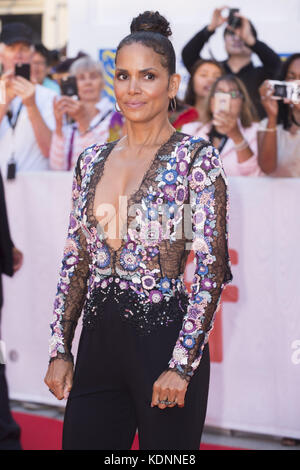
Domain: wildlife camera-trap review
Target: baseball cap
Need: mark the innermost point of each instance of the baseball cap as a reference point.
(16, 32)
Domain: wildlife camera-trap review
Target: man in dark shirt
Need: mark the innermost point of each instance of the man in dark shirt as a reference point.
(10, 261)
(239, 43)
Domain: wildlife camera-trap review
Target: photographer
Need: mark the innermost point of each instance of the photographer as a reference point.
(279, 136)
(240, 42)
(26, 112)
(93, 118)
(233, 131)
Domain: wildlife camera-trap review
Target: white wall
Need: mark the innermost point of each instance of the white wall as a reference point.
(98, 24)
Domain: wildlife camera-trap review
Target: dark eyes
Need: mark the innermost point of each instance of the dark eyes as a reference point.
(149, 76)
(124, 76)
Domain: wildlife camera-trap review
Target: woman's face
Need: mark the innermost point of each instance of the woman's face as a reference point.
(236, 99)
(293, 74)
(90, 84)
(204, 77)
(141, 83)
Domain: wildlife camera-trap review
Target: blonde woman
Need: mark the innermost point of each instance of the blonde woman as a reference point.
(93, 116)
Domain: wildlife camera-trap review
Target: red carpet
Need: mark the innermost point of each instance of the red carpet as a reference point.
(41, 433)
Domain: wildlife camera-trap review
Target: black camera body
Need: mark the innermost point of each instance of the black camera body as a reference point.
(68, 86)
(23, 70)
(233, 21)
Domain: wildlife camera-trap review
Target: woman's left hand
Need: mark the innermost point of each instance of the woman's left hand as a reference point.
(226, 123)
(169, 387)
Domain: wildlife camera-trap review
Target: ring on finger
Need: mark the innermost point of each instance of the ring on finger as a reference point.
(167, 402)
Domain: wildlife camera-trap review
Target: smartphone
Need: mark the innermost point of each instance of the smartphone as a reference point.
(68, 86)
(233, 20)
(222, 102)
(23, 70)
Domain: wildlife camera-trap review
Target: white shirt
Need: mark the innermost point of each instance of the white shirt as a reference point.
(21, 141)
(288, 151)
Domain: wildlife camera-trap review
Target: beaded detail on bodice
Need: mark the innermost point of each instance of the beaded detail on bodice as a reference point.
(180, 204)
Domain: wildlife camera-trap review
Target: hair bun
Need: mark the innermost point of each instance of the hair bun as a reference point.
(152, 22)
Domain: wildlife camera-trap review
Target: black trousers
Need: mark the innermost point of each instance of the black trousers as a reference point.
(9, 429)
(112, 390)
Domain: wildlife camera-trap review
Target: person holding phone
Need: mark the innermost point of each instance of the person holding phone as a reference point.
(240, 41)
(279, 132)
(26, 115)
(231, 126)
(82, 115)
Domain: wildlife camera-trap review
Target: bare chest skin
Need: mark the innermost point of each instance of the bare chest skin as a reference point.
(122, 177)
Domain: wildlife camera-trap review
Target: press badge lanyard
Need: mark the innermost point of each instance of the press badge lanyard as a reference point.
(223, 138)
(74, 129)
(11, 166)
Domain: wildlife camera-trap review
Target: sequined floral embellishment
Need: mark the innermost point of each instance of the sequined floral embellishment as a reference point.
(155, 296)
(103, 257)
(148, 282)
(129, 260)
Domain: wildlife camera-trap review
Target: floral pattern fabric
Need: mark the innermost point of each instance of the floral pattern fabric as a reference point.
(181, 205)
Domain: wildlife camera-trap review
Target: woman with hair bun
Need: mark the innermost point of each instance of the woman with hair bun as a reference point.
(143, 358)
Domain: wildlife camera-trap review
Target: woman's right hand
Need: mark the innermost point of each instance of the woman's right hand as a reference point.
(59, 378)
(270, 105)
(217, 19)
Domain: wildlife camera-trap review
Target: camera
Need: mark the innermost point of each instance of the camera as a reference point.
(23, 70)
(233, 20)
(282, 90)
(68, 86)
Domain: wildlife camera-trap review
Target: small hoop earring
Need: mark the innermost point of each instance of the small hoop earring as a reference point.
(117, 108)
(173, 104)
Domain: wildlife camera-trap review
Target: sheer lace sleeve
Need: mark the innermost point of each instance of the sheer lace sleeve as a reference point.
(208, 206)
(72, 283)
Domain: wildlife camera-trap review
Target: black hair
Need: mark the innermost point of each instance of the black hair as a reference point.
(190, 95)
(43, 51)
(284, 112)
(152, 30)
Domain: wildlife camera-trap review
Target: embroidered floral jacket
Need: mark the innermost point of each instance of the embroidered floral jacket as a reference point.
(181, 204)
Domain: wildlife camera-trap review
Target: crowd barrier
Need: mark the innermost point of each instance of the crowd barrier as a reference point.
(255, 345)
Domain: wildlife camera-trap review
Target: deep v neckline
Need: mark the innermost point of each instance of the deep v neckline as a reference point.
(98, 176)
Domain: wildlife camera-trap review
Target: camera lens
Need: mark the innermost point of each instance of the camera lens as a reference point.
(280, 91)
